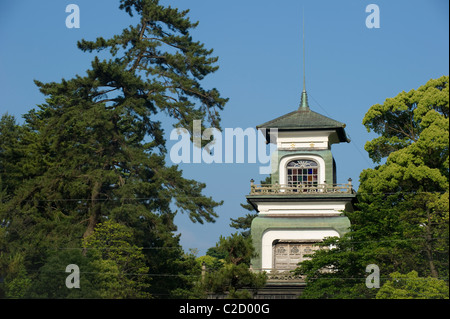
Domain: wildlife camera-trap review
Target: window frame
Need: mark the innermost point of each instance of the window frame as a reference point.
(303, 175)
(283, 170)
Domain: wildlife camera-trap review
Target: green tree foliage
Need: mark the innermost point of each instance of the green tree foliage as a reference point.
(228, 263)
(122, 272)
(245, 223)
(337, 270)
(401, 217)
(233, 277)
(10, 152)
(95, 149)
(416, 173)
(411, 286)
(17, 280)
(51, 277)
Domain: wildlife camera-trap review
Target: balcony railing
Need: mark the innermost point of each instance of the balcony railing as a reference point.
(280, 275)
(282, 189)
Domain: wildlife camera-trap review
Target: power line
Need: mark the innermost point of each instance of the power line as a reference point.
(212, 271)
(353, 142)
(174, 197)
(394, 240)
(175, 247)
(113, 248)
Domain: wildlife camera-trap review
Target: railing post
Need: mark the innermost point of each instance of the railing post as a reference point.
(277, 187)
(203, 271)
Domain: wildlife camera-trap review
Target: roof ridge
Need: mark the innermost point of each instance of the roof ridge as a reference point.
(282, 117)
(295, 119)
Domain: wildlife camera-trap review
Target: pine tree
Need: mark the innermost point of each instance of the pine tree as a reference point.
(95, 150)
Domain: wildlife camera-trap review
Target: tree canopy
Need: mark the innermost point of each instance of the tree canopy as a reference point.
(95, 150)
(401, 218)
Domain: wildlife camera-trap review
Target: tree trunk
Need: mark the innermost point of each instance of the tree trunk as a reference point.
(93, 212)
(429, 247)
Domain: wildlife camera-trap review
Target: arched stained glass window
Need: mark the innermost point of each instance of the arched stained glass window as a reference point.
(302, 172)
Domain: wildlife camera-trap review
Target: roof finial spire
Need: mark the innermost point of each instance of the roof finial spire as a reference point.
(304, 100)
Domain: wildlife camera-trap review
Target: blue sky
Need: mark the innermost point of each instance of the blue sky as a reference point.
(349, 67)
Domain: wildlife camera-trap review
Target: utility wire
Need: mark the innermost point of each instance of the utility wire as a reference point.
(212, 271)
(353, 142)
(149, 198)
(175, 247)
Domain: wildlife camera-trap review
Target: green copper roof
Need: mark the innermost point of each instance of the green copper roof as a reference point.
(305, 119)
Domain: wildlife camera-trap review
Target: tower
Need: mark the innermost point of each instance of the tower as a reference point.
(304, 203)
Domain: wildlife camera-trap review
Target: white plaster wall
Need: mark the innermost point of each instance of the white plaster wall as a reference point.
(302, 208)
(319, 138)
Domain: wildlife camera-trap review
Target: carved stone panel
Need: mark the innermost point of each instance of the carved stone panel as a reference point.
(287, 255)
